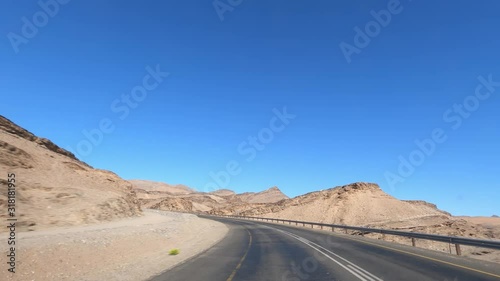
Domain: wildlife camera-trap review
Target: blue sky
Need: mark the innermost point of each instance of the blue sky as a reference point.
(69, 67)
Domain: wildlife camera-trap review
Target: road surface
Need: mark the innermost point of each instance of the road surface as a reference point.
(262, 251)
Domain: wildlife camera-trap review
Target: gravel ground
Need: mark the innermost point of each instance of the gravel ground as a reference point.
(128, 249)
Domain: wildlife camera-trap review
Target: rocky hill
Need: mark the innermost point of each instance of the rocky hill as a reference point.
(363, 204)
(53, 188)
(271, 195)
(152, 186)
(162, 196)
(223, 192)
(352, 204)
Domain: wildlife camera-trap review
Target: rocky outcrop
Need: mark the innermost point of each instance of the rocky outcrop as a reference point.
(153, 186)
(271, 195)
(10, 127)
(223, 192)
(425, 203)
(174, 204)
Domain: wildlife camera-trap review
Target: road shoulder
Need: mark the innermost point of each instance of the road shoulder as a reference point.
(129, 249)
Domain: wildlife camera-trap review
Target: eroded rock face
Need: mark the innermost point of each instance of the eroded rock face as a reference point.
(174, 204)
(53, 188)
(271, 195)
(12, 156)
(152, 186)
(363, 186)
(223, 192)
(10, 127)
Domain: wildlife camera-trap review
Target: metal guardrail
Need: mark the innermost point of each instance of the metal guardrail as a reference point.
(491, 244)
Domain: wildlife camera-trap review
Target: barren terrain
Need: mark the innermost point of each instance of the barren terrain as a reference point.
(161, 196)
(128, 249)
(152, 186)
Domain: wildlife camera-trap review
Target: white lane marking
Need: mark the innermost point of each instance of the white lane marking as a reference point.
(340, 257)
(360, 272)
(349, 262)
(335, 261)
(351, 267)
(336, 255)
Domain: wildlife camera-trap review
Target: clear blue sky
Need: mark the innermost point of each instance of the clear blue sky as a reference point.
(352, 119)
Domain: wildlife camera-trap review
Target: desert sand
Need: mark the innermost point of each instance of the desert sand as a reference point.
(127, 249)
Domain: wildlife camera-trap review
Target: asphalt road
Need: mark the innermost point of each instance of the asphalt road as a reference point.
(261, 251)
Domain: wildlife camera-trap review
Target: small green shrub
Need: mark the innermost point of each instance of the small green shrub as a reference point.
(173, 252)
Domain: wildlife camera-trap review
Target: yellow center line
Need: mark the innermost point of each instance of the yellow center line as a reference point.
(428, 258)
(230, 278)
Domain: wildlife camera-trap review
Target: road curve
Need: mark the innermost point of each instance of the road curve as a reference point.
(263, 251)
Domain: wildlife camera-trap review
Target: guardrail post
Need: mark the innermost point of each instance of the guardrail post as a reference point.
(303, 224)
(457, 248)
(289, 222)
(312, 225)
(333, 229)
(321, 227)
(413, 242)
(345, 230)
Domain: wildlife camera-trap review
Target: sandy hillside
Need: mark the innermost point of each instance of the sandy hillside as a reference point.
(271, 195)
(223, 192)
(53, 188)
(488, 222)
(163, 197)
(152, 186)
(488, 225)
(354, 204)
(193, 202)
(128, 249)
